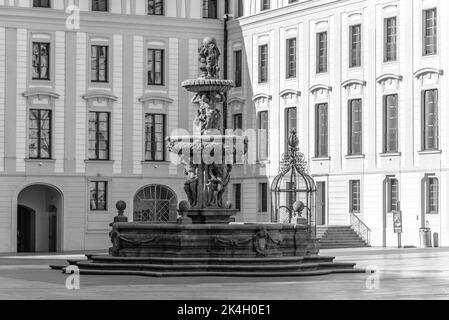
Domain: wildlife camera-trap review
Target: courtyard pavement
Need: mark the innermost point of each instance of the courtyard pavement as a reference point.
(401, 274)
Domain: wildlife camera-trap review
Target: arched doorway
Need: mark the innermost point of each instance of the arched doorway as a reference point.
(155, 203)
(39, 210)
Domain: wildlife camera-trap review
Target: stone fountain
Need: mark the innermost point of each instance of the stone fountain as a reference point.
(204, 241)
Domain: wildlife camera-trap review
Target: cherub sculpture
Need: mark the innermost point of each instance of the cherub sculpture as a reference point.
(209, 55)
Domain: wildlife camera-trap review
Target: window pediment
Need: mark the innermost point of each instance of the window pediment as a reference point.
(148, 98)
(428, 71)
(99, 96)
(353, 83)
(40, 94)
(320, 87)
(389, 77)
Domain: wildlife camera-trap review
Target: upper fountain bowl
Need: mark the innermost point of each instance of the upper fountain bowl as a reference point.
(208, 85)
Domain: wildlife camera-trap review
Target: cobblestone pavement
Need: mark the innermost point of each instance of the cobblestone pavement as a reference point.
(403, 274)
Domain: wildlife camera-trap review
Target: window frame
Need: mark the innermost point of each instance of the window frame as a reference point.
(391, 207)
(265, 5)
(97, 63)
(424, 35)
(428, 195)
(291, 59)
(48, 44)
(263, 157)
(263, 69)
(162, 67)
(318, 131)
(106, 195)
(386, 127)
(39, 133)
(263, 191)
(41, 6)
(109, 144)
(387, 54)
(238, 66)
(355, 208)
(237, 196)
(322, 69)
(351, 149)
(355, 47)
(97, 2)
(436, 138)
(164, 128)
(208, 10)
(149, 13)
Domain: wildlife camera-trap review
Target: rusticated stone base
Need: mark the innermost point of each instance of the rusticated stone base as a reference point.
(213, 240)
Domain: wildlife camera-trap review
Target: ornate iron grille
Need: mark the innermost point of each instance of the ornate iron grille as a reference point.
(155, 204)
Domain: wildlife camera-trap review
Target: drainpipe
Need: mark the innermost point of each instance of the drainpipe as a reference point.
(227, 17)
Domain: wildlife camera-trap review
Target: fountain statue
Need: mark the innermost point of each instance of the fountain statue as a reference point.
(204, 241)
(207, 182)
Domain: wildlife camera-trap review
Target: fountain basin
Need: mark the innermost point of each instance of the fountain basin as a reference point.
(208, 85)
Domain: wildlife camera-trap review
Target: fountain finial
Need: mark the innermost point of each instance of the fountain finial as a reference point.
(209, 55)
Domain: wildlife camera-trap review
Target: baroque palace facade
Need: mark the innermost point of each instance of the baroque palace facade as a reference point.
(84, 110)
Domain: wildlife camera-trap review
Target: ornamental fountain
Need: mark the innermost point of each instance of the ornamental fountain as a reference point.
(204, 241)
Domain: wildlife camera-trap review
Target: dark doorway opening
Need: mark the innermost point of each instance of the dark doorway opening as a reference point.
(26, 230)
(321, 216)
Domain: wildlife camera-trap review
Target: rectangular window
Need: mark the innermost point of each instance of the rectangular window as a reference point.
(393, 195)
(41, 61)
(390, 34)
(290, 123)
(238, 196)
(355, 52)
(263, 63)
(155, 137)
(155, 67)
(100, 5)
(237, 120)
(291, 58)
(263, 136)
(321, 63)
(99, 133)
(238, 68)
(430, 120)
(355, 127)
(210, 9)
(41, 3)
(433, 196)
(156, 7)
(322, 131)
(391, 124)
(263, 197)
(355, 196)
(40, 134)
(264, 5)
(98, 195)
(99, 63)
(430, 32)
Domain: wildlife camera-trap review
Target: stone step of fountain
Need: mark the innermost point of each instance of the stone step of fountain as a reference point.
(207, 261)
(322, 272)
(215, 268)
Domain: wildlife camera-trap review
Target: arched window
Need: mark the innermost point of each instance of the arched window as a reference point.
(155, 203)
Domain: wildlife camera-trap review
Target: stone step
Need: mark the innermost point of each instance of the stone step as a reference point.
(220, 274)
(343, 246)
(208, 261)
(212, 268)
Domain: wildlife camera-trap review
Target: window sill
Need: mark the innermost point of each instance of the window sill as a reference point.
(355, 156)
(392, 154)
(429, 152)
(99, 161)
(155, 162)
(40, 160)
(321, 159)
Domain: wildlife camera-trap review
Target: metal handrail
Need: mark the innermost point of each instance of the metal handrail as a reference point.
(361, 228)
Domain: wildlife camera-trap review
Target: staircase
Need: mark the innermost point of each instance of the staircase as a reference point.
(339, 237)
